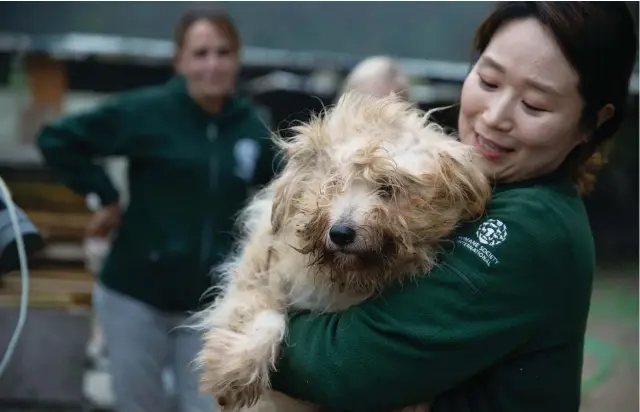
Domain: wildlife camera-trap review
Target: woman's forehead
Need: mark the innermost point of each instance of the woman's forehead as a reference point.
(526, 50)
(204, 32)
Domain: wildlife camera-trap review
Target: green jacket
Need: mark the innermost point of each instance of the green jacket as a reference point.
(497, 327)
(189, 175)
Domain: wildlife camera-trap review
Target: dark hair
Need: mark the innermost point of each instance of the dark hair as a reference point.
(217, 17)
(599, 41)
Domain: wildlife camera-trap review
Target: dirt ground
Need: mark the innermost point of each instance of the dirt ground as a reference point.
(610, 378)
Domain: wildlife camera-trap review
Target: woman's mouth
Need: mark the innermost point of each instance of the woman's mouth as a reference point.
(489, 149)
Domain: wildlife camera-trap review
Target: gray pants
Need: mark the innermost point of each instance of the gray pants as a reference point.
(141, 341)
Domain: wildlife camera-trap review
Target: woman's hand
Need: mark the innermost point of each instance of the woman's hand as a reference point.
(104, 221)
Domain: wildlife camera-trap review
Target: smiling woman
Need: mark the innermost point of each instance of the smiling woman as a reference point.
(531, 112)
(521, 109)
(499, 325)
(189, 142)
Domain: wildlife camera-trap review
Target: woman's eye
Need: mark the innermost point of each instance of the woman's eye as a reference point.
(532, 108)
(487, 85)
(224, 52)
(200, 53)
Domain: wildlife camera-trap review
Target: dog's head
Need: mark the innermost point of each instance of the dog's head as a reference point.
(371, 187)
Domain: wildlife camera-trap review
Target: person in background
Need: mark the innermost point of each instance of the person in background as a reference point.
(378, 76)
(499, 324)
(194, 149)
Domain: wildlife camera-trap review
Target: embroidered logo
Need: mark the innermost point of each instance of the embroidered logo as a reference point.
(489, 234)
(492, 232)
(246, 153)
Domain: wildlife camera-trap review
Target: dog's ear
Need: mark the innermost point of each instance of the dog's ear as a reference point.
(282, 203)
(307, 142)
(463, 182)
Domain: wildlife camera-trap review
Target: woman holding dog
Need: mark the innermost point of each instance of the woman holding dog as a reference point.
(500, 324)
(195, 149)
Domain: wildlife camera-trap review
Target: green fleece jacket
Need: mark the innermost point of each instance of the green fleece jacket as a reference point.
(189, 174)
(497, 327)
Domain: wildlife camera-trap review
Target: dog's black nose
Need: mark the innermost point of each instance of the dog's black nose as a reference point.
(342, 235)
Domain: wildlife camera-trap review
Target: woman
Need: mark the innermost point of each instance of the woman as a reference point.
(500, 324)
(194, 149)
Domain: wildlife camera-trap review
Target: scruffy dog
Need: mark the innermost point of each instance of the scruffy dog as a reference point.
(368, 192)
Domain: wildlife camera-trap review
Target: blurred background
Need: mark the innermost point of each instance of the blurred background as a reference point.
(58, 58)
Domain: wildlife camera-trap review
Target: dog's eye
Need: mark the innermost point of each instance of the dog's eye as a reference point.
(386, 191)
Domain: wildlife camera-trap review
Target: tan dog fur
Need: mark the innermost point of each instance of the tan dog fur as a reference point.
(376, 165)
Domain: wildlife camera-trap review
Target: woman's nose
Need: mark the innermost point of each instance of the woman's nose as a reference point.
(213, 61)
(499, 114)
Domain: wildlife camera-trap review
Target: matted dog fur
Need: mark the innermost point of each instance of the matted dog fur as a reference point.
(369, 191)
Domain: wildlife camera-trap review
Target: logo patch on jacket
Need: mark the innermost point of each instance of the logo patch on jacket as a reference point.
(246, 153)
(489, 234)
(492, 232)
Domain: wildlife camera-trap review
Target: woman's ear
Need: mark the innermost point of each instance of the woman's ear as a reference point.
(605, 114)
(177, 61)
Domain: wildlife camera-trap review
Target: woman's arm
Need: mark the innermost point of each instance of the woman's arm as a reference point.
(71, 145)
(416, 341)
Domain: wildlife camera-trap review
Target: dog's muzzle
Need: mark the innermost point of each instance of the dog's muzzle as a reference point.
(342, 235)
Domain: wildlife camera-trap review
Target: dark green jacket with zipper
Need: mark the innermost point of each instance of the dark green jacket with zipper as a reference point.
(499, 326)
(189, 174)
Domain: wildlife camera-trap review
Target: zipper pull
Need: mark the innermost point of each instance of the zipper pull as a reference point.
(212, 132)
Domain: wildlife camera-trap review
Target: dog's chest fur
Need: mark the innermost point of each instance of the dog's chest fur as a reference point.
(308, 294)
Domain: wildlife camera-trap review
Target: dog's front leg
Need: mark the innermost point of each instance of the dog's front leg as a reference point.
(245, 327)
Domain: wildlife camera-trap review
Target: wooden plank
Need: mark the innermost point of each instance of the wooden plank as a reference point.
(13, 284)
(40, 298)
(40, 301)
(53, 197)
(49, 288)
(67, 225)
(69, 274)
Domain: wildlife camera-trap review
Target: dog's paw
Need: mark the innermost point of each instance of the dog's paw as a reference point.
(244, 397)
(231, 371)
(239, 397)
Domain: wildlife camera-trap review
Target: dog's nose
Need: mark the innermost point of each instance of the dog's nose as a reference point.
(342, 235)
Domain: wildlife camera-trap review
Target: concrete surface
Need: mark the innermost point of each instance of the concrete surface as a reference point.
(48, 361)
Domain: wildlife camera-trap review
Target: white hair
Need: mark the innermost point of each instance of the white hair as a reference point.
(377, 71)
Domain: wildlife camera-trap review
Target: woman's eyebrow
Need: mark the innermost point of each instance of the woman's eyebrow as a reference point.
(534, 83)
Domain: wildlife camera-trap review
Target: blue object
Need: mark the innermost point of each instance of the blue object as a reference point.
(9, 260)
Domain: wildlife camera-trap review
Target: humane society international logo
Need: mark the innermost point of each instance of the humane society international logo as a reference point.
(490, 234)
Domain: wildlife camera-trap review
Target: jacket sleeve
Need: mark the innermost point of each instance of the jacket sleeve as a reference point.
(71, 145)
(418, 340)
